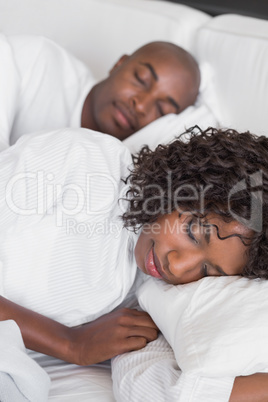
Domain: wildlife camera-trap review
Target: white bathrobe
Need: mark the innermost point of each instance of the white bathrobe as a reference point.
(42, 87)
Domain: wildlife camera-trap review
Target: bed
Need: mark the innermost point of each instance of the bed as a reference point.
(232, 51)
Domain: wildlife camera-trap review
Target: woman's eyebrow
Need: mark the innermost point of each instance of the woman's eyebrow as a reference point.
(207, 236)
(217, 267)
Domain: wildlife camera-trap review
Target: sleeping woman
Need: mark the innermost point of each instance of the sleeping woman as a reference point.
(73, 232)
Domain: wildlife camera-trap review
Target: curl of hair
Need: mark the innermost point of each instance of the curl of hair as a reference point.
(211, 163)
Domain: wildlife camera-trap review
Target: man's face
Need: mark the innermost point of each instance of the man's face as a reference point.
(140, 89)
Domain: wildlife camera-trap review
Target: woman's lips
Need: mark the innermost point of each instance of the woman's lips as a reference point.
(150, 264)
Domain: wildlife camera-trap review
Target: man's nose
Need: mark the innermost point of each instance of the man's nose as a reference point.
(142, 104)
(182, 262)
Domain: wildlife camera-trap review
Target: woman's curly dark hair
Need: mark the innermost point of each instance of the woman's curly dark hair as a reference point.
(214, 162)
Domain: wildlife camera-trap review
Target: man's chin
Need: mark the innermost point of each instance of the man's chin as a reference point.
(118, 133)
(112, 128)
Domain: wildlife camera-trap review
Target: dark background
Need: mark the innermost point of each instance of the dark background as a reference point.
(254, 8)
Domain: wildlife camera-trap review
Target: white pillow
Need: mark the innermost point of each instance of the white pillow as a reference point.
(166, 128)
(216, 326)
(236, 49)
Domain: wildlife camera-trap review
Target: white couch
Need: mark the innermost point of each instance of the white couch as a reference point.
(232, 50)
(233, 54)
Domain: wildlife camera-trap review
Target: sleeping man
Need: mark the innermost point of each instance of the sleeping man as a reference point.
(44, 87)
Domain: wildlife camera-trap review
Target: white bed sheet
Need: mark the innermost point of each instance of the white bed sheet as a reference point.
(72, 383)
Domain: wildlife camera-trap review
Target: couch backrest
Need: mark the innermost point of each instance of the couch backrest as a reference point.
(232, 50)
(235, 49)
(100, 31)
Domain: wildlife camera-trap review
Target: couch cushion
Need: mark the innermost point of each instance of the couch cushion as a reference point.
(99, 32)
(236, 50)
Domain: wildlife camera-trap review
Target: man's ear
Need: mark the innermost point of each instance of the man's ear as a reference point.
(119, 63)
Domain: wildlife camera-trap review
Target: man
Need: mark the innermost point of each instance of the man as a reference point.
(157, 79)
(44, 87)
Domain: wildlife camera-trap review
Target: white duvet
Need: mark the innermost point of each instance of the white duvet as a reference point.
(21, 378)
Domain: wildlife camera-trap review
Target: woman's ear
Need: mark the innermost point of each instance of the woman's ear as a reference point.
(119, 63)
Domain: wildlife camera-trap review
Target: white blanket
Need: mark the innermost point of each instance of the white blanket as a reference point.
(21, 378)
(43, 87)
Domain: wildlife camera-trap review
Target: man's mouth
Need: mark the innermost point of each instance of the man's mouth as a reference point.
(124, 116)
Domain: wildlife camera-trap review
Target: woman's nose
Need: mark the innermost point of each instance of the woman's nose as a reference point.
(180, 263)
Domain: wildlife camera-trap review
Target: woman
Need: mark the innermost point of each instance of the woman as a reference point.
(201, 184)
(221, 229)
(67, 256)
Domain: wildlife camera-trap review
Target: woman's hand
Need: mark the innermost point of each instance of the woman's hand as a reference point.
(117, 332)
(114, 333)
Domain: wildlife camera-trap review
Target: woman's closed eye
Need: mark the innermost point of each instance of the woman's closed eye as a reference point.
(189, 229)
(205, 270)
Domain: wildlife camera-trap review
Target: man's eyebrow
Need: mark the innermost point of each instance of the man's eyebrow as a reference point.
(148, 65)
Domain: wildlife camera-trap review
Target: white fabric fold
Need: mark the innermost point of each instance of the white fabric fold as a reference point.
(152, 374)
(21, 378)
(211, 324)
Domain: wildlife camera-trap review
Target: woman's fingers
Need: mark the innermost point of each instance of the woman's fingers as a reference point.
(135, 343)
(117, 332)
(150, 334)
(130, 317)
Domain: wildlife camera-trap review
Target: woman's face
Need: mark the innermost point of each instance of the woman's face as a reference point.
(181, 249)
